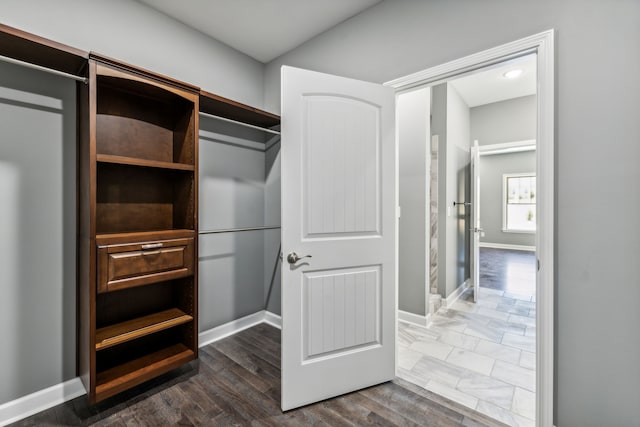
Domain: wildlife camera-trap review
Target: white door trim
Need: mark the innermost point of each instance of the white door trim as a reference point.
(543, 45)
(508, 147)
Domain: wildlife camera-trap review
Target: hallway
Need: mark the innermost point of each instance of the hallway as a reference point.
(481, 355)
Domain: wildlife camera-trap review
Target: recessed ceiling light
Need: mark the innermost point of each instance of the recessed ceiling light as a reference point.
(512, 74)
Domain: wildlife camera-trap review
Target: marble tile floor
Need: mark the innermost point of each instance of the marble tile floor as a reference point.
(481, 355)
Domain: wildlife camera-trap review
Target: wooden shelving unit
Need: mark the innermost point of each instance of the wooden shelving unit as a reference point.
(129, 374)
(229, 109)
(137, 210)
(135, 328)
(131, 161)
(32, 49)
(138, 286)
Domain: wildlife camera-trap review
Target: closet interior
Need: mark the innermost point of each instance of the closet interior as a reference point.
(178, 213)
(239, 179)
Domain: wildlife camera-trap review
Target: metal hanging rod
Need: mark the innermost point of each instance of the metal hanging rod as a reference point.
(234, 230)
(41, 68)
(462, 203)
(224, 119)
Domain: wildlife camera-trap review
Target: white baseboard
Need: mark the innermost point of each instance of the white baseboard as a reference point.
(33, 403)
(272, 319)
(455, 295)
(223, 331)
(415, 319)
(41, 400)
(506, 246)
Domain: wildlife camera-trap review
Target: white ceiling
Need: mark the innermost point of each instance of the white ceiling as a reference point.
(262, 29)
(490, 85)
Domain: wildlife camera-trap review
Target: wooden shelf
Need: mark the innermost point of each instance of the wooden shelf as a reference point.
(229, 109)
(130, 161)
(142, 236)
(126, 331)
(27, 47)
(137, 371)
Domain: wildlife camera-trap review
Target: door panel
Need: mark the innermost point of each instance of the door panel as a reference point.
(341, 311)
(341, 150)
(338, 206)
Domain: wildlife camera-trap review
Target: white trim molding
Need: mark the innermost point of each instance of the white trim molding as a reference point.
(508, 147)
(507, 246)
(456, 294)
(41, 400)
(223, 331)
(468, 64)
(542, 44)
(272, 319)
(414, 319)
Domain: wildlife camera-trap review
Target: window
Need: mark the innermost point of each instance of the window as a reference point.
(519, 203)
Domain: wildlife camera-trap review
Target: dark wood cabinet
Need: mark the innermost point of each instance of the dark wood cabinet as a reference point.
(138, 225)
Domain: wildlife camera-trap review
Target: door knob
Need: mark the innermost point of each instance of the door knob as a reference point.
(293, 257)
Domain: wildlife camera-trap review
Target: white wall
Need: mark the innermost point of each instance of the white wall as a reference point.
(414, 135)
(137, 34)
(597, 151)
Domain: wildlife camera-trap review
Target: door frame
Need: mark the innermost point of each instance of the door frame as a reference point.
(543, 45)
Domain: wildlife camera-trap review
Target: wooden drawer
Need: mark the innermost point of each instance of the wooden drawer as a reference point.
(123, 266)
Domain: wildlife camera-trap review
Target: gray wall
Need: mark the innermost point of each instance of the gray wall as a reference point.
(597, 134)
(457, 184)
(38, 190)
(504, 121)
(37, 230)
(439, 128)
(232, 195)
(137, 34)
(450, 121)
(413, 111)
(272, 264)
(496, 123)
(491, 170)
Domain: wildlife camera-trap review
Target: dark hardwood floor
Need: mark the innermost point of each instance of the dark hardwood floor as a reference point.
(236, 382)
(508, 270)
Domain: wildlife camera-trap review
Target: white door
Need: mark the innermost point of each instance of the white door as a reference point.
(475, 219)
(339, 216)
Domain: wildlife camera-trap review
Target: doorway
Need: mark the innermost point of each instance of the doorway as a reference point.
(479, 346)
(542, 45)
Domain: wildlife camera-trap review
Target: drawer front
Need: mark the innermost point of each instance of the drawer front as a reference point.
(128, 265)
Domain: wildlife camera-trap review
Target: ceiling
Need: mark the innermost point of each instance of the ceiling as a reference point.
(262, 29)
(490, 85)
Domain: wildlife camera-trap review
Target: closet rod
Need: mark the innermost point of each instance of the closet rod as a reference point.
(41, 68)
(233, 230)
(224, 119)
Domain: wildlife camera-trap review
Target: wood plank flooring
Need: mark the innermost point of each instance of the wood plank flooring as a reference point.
(508, 270)
(236, 382)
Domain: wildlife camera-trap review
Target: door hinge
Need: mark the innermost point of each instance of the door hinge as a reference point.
(538, 264)
(398, 211)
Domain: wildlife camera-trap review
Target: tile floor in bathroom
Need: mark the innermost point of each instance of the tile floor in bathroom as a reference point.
(481, 355)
